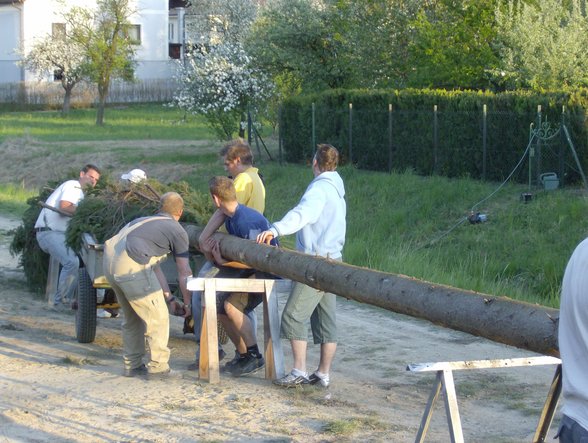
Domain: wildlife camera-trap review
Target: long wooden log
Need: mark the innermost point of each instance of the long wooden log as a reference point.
(500, 319)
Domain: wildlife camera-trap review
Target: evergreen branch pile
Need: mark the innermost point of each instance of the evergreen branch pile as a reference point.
(32, 259)
(103, 212)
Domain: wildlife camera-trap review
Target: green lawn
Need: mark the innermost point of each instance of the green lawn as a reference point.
(13, 199)
(133, 122)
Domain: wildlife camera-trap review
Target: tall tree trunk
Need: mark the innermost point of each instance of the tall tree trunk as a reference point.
(67, 99)
(102, 94)
(499, 319)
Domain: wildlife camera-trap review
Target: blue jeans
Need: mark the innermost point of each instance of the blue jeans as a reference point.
(53, 242)
(570, 431)
(209, 270)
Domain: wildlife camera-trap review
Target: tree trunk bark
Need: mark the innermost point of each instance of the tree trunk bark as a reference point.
(67, 100)
(102, 94)
(500, 319)
(100, 112)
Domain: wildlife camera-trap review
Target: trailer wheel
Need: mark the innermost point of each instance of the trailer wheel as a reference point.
(86, 312)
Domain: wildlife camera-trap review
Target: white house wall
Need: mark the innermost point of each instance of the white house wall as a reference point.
(152, 54)
(38, 15)
(9, 40)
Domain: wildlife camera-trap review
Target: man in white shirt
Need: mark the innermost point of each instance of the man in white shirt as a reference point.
(51, 225)
(573, 347)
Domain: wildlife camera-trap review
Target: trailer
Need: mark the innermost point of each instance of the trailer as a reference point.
(91, 280)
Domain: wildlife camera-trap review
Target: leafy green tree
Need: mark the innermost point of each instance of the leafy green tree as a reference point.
(103, 34)
(60, 56)
(543, 45)
(375, 35)
(452, 45)
(298, 43)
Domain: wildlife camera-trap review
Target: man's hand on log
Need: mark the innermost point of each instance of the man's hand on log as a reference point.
(215, 251)
(265, 237)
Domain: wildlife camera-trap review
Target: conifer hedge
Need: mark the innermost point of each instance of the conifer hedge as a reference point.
(399, 130)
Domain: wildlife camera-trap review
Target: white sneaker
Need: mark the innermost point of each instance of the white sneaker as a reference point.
(102, 313)
(320, 379)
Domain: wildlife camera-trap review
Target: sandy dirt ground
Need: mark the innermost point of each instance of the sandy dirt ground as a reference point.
(54, 389)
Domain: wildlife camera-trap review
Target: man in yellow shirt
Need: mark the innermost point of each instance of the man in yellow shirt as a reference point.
(238, 162)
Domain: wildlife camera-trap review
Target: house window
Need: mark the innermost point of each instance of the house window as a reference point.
(175, 51)
(134, 34)
(172, 32)
(58, 31)
(57, 75)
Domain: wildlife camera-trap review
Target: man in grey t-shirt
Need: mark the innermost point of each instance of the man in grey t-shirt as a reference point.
(131, 266)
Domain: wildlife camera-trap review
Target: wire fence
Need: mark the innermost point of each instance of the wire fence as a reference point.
(483, 145)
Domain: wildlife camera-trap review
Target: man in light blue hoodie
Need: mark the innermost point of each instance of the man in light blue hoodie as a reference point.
(319, 223)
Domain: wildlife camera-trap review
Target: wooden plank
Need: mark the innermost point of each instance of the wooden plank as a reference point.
(549, 407)
(483, 364)
(209, 364)
(428, 414)
(274, 355)
(451, 409)
(237, 284)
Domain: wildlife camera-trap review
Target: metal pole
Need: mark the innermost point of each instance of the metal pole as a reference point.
(351, 133)
(531, 152)
(390, 137)
(435, 138)
(248, 126)
(484, 139)
(539, 117)
(561, 153)
(280, 140)
(313, 130)
(569, 139)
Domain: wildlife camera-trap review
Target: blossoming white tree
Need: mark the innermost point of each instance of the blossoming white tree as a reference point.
(218, 78)
(221, 84)
(61, 57)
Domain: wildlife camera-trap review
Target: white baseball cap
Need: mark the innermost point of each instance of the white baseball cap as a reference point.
(134, 176)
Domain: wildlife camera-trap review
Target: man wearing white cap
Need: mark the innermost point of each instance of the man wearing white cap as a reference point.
(134, 176)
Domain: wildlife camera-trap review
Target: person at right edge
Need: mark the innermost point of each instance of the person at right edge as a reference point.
(573, 347)
(319, 223)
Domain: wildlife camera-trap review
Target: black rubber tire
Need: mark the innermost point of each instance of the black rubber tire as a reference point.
(86, 312)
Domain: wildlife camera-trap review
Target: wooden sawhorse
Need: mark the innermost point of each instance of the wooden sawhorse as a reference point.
(444, 381)
(274, 356)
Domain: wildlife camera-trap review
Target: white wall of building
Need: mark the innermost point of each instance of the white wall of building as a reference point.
(9, 40)
(36, 22)
(152, 54)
